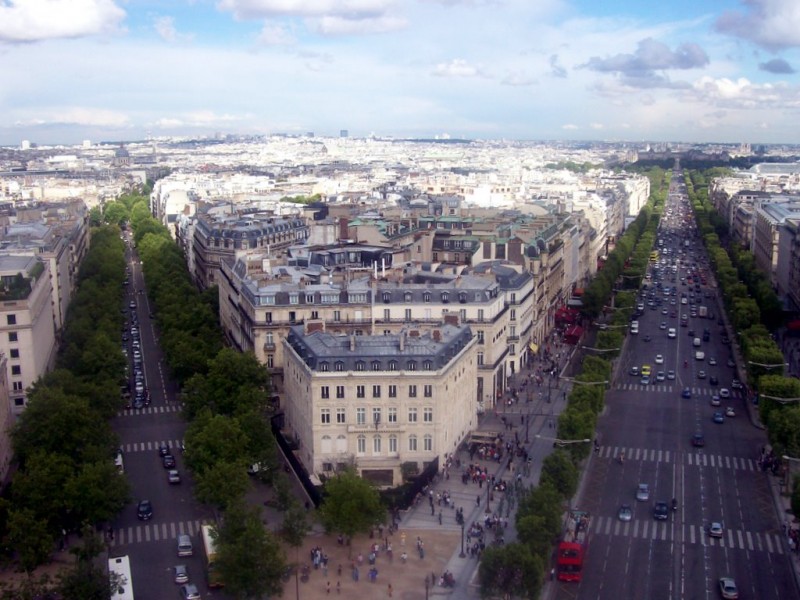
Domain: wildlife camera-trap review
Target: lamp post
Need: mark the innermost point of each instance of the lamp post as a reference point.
(560, 442)
(600, 349)
(463, 554)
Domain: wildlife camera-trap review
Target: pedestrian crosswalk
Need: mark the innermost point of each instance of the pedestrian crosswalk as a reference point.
(149, 410)
(696, 458)
(696, 391)
(648, 528)
(173, 445)
(153, 532)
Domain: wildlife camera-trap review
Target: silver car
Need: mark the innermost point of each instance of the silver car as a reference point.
(643, 492)
(181, 574)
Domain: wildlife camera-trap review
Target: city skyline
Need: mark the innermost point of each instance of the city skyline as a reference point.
(713, 70)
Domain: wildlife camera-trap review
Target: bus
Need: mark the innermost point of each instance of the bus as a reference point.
(119, 577)
(654, 256)
(214, 579)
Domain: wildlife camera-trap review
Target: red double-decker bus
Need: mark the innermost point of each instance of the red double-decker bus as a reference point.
(571, 551)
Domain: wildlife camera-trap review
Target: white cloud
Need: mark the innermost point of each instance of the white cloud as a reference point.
(37, 20)
(275, 34)
(597, 126)
(742, 93)
(518, 79)
(457, 67)
(82, 116)
(197, 119)
(165, 27)
(336, 25)
(355, 9)
(773, 24)
(569, 127)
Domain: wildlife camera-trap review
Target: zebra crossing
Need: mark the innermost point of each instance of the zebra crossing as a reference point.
(696, 459)
(149, 410)
(154, 532)
(696, 391)
(173, 445)
(692, 534)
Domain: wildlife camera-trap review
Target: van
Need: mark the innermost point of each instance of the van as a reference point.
(184, 545)
(696, 342)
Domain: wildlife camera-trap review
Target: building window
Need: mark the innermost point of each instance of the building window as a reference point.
(376, 391)
(412, 391)
(445, 295)
(387, 314)
(376, 415)
(392, 414)
(268, 317)
(341, 415)
(392, 444)
(360, 365)
(427, 365)
(376, 444)
(16, 370)
(294, 298)
(12, 336)
(428, 390)
(325, 414)
(408, 314)
(325, 392)
(270, 338)
(480, 314)
(393, 365)
(480, 337)
(426, 297)
(340, 391)
(411, 365)
(361, 416)
(427, 414)
(11, 319)
(337, 315)
(513, 299)
(376, 365)
(324, 366)
(292, 316)
(462, 314)
(17, 386)
(362, 444)
(513, 314)
(392, 391)
(360, 391)
(480, 359)
(386, 296)
(270, 361)
(427, 443)
(19, 401)
(14, 353)
(314, 314)
(412, 414)
(412, 443)
(339, 366)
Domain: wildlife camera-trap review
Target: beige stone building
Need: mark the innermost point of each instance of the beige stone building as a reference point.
(6, 421)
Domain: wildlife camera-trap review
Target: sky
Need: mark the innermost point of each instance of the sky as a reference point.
(615, 70)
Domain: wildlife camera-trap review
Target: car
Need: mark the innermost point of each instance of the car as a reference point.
(715, 400)
(698, 440)
(661, 511)
(173, 476)
(729, 412)
(662, 325)
(701, 374)
(168, 461)
(712, 361)
(714, 529)
(661, 376)
(726, 340)
(728, 589)
(643, 492)
(699, 355)
(686, 393)
(646, 369)
(691, 333)
(144, 511)
(671, 375)
(713, 380)
(188, 591)
(132, 304)
(645, 380)
(634, 371)
(671, 334)
(163, 450)
(647, 338)
(625, 512)
(724, 393)
(736, 384)
(138, 403)
(664, 312)
(718, 418)
(181, 574)
(119, 461)
(659, 359)
(731, 363)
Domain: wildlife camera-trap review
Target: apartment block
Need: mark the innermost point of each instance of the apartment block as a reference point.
(380, 403)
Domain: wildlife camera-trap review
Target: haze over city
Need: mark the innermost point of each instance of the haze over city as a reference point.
(720, 70)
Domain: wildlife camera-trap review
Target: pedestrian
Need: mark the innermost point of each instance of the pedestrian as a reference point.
(338, 587)
(478, 500)
(389, 590)
(328, 588)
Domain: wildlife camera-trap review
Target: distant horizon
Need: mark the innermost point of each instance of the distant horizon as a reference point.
(693, 70)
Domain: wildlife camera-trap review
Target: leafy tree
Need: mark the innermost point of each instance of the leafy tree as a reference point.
(41, 487)
(222, 484)
(115, 213)
(249, 559)
(511, 572)
(97, 492)
(294, 529)
(85, 580)
(352, 505)
(795, 499)
(30, 538)
(559, 471)
(213, 439)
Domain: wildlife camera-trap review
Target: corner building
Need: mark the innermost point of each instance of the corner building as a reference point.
(381, 403)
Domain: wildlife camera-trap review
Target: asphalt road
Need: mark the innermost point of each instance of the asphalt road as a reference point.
(151, 544)
(653, 425)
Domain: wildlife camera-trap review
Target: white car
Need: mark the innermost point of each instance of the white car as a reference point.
(712, 361)
(729, 412)
(699, 355)
(659, 359)
(724, 393)
(671, 333)
(715, 530)
(715, 400)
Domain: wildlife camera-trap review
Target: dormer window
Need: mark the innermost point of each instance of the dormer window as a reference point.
(323, 366)
(462, 297)
(376, 365)
(339, 365)
(411, 365)
(407, 297)
(427, 365)
(426, 297)
(360, 365)
(445, 297)
(393, 365)
(387, 297)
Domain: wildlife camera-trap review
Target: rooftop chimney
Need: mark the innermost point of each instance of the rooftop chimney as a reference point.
(437, 335)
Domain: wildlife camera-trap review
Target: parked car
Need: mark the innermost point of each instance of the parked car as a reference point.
(181, 574)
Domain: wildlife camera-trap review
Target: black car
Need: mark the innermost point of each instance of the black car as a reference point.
(145, 510)
(661, 511)
(168, 461)
(163, 450)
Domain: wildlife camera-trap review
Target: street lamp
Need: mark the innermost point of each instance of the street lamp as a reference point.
(463, 554)
(579, 382)
(774, 366)
(780, 400)
(601, 349)
(559, 442)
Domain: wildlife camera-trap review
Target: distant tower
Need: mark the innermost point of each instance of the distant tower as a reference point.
(26, 145)
(121, 157)
(87, 144)
(343, 133)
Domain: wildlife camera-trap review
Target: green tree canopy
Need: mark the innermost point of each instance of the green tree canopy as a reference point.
(351, 505)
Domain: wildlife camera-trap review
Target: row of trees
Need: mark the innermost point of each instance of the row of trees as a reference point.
(64, 446)
(518, 569)
(754, 309)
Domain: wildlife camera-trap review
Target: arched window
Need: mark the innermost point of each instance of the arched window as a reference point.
(427, 365)
(360, 365)
(427, 442)
(362, 444)
(393, 365)
(392, 444)
(323, 366)
(412, 443)
(341, 443)
(376, 365)
(339, 366)
(327, 444)
(376, 444)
